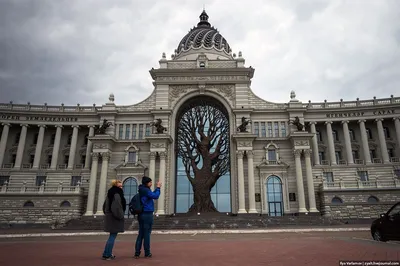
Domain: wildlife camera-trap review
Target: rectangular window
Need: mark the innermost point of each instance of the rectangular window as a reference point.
(276, 129)
(391, 153)
(66, 159)
(14, 158)
(363, 175)
(256, 128)
(132, 157)
(372, 154)
(49, 157)
(83, 159)
(141, 131)
(283, 129)
(321, 155)
(338, 155)
(31, 158)
(134, 131)
(328, 176)
(148, 129)
(355, 155)
(263, 130)
(121, 131)
(127, 131)
(75, 180)
(40, 180)
(3, 179)
(269, 129)
(271, 155)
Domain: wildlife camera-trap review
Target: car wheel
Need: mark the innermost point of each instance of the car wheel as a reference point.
(377, 235)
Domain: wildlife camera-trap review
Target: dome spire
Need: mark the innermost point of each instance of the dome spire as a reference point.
(203, 19)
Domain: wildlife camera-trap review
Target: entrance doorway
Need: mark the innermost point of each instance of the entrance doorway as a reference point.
(274, 196)
(130, 188)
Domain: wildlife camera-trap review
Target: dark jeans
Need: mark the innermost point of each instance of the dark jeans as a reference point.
(109, 245)
(145, 226)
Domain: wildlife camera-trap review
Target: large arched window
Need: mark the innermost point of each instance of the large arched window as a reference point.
(130, 188)
(203, 182)
(274, 196)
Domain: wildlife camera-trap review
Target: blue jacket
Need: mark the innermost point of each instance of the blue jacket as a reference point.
(147, 197)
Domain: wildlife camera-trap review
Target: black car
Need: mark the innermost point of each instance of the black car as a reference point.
(387, 227)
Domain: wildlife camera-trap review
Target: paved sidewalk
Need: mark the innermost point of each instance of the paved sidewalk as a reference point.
(257, 249)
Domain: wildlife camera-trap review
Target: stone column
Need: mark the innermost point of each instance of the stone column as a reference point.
(152, 170)
(56, 148)
(103, 183)
(242, 200)
(72, 150)
(347, 142)
(382, 141)
(39, 147)
(331, 144)
(299, 181)
(315, 143)
(21, 146)
(250, 172)
(92, 184)
(364, 140)
(89, 147)
(310, 182)
(161, 199)
(3, 142)
(396, 124)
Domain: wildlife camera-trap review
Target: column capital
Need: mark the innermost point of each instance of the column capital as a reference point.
(249, 154)
(60, 126)
(91, 126)
(297, 153)
(313, 122)
(24, 125)
(239, 154)
(361, 121)
(163, 155)
(95, 155)
(6, 124)
(307, 152)
(345, 121)
(328, 122)
(75, 126)
(44, 126)
(396, 118)
(106, 156)
(152, 155)
(379, 120)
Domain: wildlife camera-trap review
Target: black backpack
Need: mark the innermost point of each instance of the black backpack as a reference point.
(135, 205)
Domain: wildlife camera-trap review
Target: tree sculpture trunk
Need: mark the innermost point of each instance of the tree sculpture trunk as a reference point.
(202, 198)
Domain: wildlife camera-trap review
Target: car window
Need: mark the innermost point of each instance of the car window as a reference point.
(395, 211)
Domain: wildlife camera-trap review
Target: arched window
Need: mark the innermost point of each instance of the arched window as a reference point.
(130, 188)
(272, 153)
(65, 204)
(372, 199)
(337, 200)
(274, 196)
(29, 204)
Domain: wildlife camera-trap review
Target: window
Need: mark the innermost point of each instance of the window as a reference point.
(130, 188)
(148, 130)
(274, 196)
(283, 129)
(133, 131)
(17, 136)
(121, 131)
(75, 180)
(386, 132)
(276, 129)
(35, 138)
(391, 153)
(263, 130)
(337, 200)
(372, 153)
(132, 157)
(328, 176)
(31, 158)
(338, 156)
(321, 155)
(52, 139)
(40, 180)
(49, 157)
(29, 204)
(3, 179)
(86, 139)
(397, 173)
(66, 159)
(127, 131)
(335, 135)
(319, 136)
(69, 139)
(271, 155)
(65, 204)
(355, 155)
(202, 65)
(269, 129)
(352, 136)
(141, 131)
(83, 159)
(256, 128)
(369, 133)
(372, 199)
(13, 158)
(395, 211)
(363, 175)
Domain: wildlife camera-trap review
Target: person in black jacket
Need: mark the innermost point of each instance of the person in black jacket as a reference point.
(114, 209)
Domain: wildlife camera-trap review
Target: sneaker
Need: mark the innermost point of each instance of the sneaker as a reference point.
(136, 256)
(112, 257)
(148, 256)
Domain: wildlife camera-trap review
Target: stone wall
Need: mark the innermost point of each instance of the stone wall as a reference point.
(355, 203)
(47, 209)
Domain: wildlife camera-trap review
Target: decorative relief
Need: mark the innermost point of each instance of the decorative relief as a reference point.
(301, 143)
(212, 78)
(157, 145)
(228, 91)
(100, 146)
(244, 144)
(176, 91)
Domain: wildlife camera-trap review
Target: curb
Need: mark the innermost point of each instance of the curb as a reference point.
(193, 232)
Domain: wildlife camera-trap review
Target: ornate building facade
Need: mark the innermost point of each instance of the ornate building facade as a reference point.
(338, 159)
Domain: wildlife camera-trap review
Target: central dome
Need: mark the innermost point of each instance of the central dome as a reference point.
(203, 36)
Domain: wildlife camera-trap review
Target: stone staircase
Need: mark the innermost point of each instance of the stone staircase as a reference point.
(215, 221)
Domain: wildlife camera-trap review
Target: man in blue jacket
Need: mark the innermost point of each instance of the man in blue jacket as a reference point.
(146, 217)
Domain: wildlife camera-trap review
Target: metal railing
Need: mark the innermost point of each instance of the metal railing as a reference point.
(395, 183)
(42, 189)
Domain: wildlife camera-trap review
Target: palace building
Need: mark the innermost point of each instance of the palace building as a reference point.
(334, 159)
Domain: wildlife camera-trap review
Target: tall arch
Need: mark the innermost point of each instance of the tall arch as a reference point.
(202, 156)
(130, 187)
(274, 196)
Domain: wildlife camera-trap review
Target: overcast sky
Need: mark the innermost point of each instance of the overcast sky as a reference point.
(79, 51)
